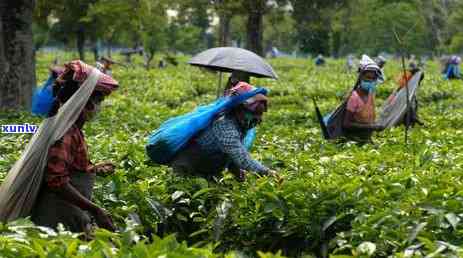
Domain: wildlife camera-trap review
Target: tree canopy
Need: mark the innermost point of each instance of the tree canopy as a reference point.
(330, 27)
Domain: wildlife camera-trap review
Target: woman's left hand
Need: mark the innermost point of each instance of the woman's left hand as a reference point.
(275, 175)
(104, 169)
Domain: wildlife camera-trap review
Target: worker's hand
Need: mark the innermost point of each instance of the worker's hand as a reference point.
(103, 220)
(240, 175)
(103, 169)
(275, 175)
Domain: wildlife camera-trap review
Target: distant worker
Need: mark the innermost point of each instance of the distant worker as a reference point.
(320, 61)
(381, 62)
(104, 65)
(452, 68)
(412, 70)
(403, 80)
(162, 64)
(171, 60)
(422, 62)
(350, 63)
(274, 52)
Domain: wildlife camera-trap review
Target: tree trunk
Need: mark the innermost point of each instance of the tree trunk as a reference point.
(108, 47)
(224, 32)
(255, 26)
(435, 17)
(81, 43)
(148, 58)
(17, 66)
(96, 52)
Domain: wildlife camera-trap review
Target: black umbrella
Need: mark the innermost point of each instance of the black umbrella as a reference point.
(230, 59)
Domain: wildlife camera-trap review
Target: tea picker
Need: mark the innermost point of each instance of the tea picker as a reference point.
(218, 135)
(354, 118)
(211, 138)
(53, 180)
(241, 63)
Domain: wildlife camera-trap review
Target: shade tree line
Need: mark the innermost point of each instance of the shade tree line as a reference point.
(329, 27)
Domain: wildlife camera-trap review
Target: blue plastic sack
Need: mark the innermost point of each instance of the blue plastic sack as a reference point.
(174, 134)
(42, 100)
(327, 118)
(249, 138)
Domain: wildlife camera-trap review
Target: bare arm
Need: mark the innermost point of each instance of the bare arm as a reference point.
(70, 194)
(350, 123)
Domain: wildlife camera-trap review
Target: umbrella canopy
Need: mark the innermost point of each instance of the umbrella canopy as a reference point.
(229, 59)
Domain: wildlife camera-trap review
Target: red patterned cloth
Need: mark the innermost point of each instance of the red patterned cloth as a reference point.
(252, 103)
(66, 156)
(105, 84)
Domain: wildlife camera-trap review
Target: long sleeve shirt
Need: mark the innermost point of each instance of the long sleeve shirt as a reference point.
(66, 156)
(225, 136)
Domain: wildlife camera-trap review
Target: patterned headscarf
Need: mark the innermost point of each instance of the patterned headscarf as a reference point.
(62, 91)
(106, 84)
(258, 102)
(455, 60)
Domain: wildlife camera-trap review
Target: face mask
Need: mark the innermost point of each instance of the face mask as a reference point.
(92, 114)
(368, 86)
(249, 120)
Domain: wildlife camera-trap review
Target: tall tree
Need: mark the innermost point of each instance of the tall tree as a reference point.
(313, 24)
(254, 27)
(153, 26)
(256, 9)
(439, 20)
(114, 18)
(17, 66)
(389, 18)
(279, 30)
(456, 41)
(72, 23)
(341, 26)
(225, 10)
(190, 25)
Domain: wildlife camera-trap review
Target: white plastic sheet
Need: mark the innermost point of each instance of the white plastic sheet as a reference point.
(393, 111)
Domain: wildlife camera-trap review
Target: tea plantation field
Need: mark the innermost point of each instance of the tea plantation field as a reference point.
(386, 199)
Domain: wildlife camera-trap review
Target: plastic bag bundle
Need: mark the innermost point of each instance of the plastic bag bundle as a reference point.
(395, 108)
(42, 101)
(249, 138)
(165, 142)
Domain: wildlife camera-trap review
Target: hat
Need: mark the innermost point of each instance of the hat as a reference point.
(105, 84)
(367, 64)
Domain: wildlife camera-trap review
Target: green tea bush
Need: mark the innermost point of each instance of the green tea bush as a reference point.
(336, 199)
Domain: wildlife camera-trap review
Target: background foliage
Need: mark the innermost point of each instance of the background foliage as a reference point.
(346, 200)
(330, 27)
